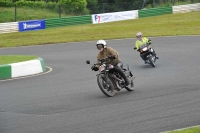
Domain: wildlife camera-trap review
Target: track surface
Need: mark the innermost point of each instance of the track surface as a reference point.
(68, 100)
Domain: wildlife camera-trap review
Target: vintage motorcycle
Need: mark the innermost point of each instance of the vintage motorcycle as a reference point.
(147, 54)
(110, 80)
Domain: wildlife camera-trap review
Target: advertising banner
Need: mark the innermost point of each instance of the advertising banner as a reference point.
(110, 17)
(31, 25)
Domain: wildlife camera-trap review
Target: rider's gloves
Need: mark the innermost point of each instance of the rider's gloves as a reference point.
(94, 68)
(149, 41)
(112, 57)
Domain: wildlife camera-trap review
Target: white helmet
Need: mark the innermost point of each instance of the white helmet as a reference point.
(102, 42)
(139, 34)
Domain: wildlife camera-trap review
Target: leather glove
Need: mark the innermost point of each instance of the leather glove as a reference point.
(94, 68)
(112, 57)
(149, 41)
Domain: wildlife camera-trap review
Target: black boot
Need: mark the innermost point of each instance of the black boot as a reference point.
(154, 53)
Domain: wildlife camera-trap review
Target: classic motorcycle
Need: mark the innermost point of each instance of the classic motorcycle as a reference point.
(147, 54)
(110, 80)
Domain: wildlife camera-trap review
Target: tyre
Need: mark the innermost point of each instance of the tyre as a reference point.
(151, 61)
(106, 85)
(130, 87)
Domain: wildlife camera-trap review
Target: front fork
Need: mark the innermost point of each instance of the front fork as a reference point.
(105, 78)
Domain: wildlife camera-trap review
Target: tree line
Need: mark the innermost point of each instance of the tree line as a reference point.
(82, 7)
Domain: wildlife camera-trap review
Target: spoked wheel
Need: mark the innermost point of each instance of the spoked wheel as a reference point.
(130, 87)
(151, 61)
(106, 85)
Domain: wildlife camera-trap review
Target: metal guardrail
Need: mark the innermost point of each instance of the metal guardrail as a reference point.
(154, 12)
(67, 21)
(9, 27)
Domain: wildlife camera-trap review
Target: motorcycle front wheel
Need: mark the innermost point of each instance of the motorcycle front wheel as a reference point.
(150, 58)
(106, 85)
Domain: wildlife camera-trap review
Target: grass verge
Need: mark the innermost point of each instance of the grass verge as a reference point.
(164, 25)
(8, 59)
(195, 129)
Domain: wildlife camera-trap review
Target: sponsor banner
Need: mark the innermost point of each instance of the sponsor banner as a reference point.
(31, 25)
(110, 17)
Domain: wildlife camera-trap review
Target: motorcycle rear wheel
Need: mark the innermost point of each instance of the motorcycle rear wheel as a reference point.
(130, 87)
(106, 87)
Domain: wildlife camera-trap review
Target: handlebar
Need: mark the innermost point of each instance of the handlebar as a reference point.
(101, 61)
(104, 59)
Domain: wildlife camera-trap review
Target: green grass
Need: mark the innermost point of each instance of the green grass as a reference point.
(195, 129)
(8, 59)
(8, 14)
(164, 25)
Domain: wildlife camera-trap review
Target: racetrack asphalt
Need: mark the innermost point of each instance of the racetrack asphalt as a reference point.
(68, 100)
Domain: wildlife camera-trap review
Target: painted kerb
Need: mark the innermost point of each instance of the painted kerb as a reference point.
(42, 64)
(25, 68)
(5, 71)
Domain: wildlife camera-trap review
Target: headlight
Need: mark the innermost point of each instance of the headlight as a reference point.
(144, 49)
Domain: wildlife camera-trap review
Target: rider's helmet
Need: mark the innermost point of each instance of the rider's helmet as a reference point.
(139, 34)
(102, 42)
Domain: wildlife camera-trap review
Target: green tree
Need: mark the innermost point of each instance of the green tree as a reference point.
(92, 6)
(73, 6)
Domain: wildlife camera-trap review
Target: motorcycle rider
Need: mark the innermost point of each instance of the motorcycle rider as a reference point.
(141, 41)
(114, 60)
